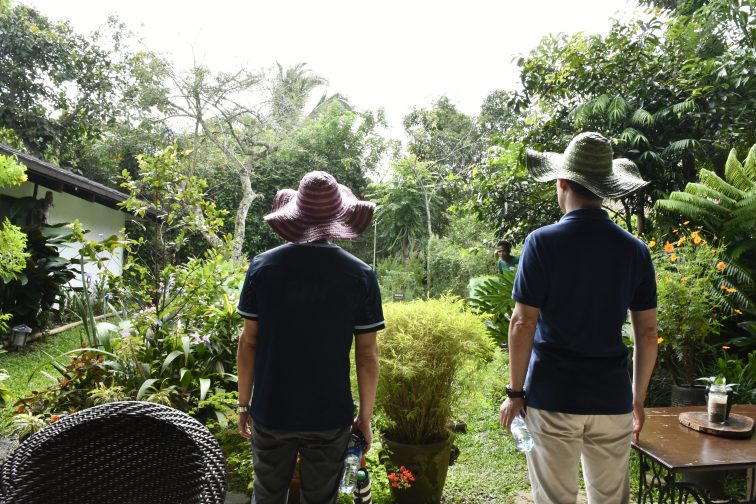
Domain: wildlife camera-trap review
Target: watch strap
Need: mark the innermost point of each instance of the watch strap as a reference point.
(514, 394)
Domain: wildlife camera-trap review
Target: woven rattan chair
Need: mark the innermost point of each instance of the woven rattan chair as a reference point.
(123, 452)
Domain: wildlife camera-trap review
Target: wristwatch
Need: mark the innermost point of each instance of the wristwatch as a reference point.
(514, 394)
(241, 408)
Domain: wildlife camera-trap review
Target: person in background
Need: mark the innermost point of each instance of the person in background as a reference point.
(304, 304)
(567, 361)
(506, 260)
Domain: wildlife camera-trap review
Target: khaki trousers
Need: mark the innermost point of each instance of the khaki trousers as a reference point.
(601, 443)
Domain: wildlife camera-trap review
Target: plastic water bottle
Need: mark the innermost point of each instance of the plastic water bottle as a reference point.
(521, 434)
(352, 463)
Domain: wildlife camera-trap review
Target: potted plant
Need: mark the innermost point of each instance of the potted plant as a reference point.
(719, 383)
(425, 350)
(690, 309)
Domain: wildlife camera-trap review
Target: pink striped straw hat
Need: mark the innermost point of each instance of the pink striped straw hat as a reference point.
(320, 209)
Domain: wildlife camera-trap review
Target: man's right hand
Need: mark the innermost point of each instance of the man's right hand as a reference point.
(245, 425)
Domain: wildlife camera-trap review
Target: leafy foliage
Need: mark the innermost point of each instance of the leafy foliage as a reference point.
(12, 239)
(493, 296)
(173, 341)
(34, 295)
(424, 351)
(691, 287)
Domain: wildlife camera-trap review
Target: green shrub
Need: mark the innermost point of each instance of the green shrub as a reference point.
(427, 348)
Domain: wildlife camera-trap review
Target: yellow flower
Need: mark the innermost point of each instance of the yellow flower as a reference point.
(696, 239)
(684, 280)
(730, 290)
(721, 265)
(668, 247)
(739, 312)
(725, 347)
(673, 257)
(686, 223)
(652, 244)
(681, 241)
(712, 251)
(659, 340)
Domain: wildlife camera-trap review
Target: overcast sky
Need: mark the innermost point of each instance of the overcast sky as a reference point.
(394, 54)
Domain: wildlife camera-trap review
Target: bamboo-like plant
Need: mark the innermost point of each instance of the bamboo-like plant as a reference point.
(424, 350)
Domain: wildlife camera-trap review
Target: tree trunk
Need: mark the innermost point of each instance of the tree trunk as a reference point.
(640, 214)
(240, 221)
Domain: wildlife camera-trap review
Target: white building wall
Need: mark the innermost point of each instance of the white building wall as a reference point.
(101, 221)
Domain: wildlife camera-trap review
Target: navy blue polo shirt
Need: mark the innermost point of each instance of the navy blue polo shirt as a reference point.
(308, 300)
(584, 273)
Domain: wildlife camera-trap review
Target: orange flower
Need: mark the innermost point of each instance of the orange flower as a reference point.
(681, 241)
(721, 265)
(668, 247)
(712, 251)
(730, 290)
(673, 257)
(696, 238)
(652, 244)
(54, 418)
(659, 340)
(739, 312)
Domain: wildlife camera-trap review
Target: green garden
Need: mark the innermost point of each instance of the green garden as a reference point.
(199, 154)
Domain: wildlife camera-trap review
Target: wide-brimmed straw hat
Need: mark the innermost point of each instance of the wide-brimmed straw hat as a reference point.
(588, 161)
(320, 209)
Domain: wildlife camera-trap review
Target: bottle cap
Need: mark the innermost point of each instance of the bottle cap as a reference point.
(362, 474)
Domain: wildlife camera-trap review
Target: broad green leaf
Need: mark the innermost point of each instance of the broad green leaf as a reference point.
(143, 389)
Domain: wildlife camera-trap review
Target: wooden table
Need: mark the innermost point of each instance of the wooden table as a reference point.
(667, 448)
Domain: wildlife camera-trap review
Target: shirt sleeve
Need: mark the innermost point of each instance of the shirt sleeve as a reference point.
(369, 317)
(530, 286)
(247, 306)
(645, 292)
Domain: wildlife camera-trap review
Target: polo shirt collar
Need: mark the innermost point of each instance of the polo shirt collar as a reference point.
(585, 213)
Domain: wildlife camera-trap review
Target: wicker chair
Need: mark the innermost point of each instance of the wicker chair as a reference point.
(123, 452)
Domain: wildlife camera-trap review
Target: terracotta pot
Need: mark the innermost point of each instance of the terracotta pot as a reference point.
(688, 396)
(428, 464)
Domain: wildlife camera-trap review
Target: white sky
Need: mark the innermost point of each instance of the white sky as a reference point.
(394, 54)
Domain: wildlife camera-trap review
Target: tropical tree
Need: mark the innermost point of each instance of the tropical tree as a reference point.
(669, 91)
(59, 90)
(230, 121)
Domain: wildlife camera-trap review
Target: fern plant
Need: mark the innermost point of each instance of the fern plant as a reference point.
(724, 207)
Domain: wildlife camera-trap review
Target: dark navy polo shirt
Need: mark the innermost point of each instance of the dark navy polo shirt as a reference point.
(584, 273)
(308, 300)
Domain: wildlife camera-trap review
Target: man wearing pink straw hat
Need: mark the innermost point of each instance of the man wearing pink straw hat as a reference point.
(303, 304)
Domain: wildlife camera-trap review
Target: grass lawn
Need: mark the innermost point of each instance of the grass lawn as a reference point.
(22, 364)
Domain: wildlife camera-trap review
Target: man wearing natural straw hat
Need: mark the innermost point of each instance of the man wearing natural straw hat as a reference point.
(303, 304)
(568, 364)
